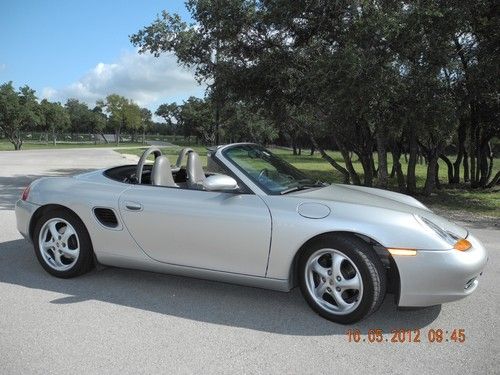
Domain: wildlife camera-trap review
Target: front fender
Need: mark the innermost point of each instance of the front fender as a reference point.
(390, 228)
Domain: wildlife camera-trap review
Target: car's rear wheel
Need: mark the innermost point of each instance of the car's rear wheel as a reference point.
(62, 244)
(341, 278)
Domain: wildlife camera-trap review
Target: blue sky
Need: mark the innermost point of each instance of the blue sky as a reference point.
(81, 49)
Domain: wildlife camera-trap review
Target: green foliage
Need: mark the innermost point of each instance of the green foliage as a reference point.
(123, 114)
(98, 120)
(55, 116)
(169, 113)
(196, 117)
(18, 111)
(146, 119)
(80, 115)
(398, 77)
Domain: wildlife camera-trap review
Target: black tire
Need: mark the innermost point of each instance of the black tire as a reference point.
(85, 260)
(370, 267)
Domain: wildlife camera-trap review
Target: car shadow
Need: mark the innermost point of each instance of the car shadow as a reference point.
(200, 300)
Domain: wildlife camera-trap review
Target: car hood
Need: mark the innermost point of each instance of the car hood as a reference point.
(388, 200)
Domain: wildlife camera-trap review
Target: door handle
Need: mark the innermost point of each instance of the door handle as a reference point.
(133, 206)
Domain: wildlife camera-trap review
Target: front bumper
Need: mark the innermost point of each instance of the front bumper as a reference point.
(435, 277)
(24, 212)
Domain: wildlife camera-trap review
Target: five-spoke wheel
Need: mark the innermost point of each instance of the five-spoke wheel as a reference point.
(334, 281)
(59, 244)
(341, 278)
(62, 244)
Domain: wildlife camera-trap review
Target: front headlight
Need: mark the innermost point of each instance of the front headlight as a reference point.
(458, 243)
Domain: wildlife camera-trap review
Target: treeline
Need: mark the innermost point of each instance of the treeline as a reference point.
(21, 111)
(363, 77)
(238, 122)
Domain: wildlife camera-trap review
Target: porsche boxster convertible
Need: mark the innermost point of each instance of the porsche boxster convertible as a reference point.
(253, 219)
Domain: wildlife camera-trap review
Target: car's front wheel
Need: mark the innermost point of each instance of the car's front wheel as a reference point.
(62, 244)
(341, 278)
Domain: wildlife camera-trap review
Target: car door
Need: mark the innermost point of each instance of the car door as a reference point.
(228, 232)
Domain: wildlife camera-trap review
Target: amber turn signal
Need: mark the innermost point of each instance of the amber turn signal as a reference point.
(462, 245)
(404, 252)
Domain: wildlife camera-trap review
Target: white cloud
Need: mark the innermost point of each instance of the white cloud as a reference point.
(143, 78)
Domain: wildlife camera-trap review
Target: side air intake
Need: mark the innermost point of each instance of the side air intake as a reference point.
(106, 217)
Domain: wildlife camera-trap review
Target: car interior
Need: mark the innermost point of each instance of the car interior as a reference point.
(161, 172)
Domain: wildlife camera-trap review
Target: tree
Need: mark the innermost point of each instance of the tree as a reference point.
(195, 117)
(475, 79)
(56, 118)
(170, 113)
(146, 122)
(18, 111)
(80, 116)
(132, 118)
(116, 108)
(203, 47)
(98, 122)
(358, 76)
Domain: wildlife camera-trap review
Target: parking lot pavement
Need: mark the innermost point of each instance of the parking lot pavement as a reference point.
(123, 321)
(19, 168)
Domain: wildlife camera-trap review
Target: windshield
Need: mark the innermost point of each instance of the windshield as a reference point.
(271, 173)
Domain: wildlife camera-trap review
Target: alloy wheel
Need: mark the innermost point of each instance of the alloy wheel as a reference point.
(59, 244)
(333, 281)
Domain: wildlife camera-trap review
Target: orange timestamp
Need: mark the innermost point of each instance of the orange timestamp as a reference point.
(406, 335)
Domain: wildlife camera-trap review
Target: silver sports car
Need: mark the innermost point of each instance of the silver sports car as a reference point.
(252, 219)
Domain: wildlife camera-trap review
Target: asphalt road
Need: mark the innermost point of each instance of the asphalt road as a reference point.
(121, 321)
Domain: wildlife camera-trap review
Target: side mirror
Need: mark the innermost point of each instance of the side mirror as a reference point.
(220, 182)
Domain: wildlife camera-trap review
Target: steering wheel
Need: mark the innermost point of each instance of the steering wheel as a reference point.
(140, 165)
(263, 173)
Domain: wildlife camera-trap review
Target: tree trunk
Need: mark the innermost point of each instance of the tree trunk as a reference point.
(466, 167)
(332, 161)
(346, 155)
(436, 176)
(16, 139)
(485, 156)
(430, 181)
(420, 158)
(462, 134)
(117, 136)
(396, 167)
(411, 180)
(54, 137)
(312, 151)
(472, 153)
(383, 177)
(490, 169)
(217, 116)
(367, 163)
(495, 181)
(103, 137)
(450, 167)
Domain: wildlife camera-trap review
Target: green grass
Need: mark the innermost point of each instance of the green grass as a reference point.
(7, 146)
(480, 202)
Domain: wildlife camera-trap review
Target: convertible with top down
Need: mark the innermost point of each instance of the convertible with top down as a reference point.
(253, 219)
